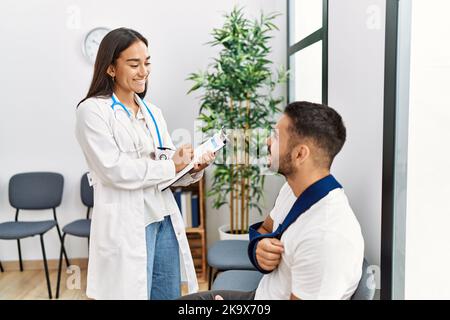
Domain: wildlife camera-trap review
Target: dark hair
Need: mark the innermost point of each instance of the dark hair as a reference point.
(320, 123)
(109, 50)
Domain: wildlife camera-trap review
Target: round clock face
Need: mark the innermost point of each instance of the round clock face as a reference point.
(92, 42)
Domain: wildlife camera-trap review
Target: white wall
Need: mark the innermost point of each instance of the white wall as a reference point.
(44, 75)
(356, 88)
(427, 258)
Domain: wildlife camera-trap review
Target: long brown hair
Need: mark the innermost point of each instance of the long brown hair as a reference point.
(110, 48)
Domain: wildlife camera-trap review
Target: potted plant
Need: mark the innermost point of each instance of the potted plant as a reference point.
(238, 90)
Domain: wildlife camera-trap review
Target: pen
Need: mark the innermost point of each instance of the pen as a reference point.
(165, 148)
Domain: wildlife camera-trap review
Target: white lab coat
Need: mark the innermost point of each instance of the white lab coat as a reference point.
(117, 266)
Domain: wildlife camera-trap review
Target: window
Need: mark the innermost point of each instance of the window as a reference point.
(416, 180)
(308, 50)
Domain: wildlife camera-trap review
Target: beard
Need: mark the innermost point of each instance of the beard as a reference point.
(286, 168)
(284, 164)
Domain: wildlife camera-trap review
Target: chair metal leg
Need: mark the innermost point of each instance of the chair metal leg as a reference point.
(64, 250)
(210, 275)
(60, 237)
(60, 266)
(1, 267)
(46, 267)
(20, 255)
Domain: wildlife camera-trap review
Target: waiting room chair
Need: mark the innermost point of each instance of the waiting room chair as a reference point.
(79, 228)
(248, 280)
(228, 255)
(240, 280)
(367, 285)
(33, 191)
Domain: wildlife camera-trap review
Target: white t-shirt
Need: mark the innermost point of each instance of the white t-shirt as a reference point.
(323, 251)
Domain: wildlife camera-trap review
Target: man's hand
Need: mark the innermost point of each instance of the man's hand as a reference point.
(206, 159)
(268, 253)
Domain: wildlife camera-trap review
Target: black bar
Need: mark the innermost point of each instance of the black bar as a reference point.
(389, 129)
(306, 42)
(1, 267)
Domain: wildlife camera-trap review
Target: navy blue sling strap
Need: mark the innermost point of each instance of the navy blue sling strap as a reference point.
(313, 194)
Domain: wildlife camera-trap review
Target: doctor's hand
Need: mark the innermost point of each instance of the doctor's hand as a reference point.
(182, 157)
(268, 253)
(205, 160)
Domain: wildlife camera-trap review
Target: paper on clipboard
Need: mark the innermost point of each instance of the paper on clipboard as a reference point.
(215, 143)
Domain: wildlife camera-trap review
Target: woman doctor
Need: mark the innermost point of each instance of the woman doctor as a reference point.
(137, 232)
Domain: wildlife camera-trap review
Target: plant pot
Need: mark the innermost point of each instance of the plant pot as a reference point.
(224, 235)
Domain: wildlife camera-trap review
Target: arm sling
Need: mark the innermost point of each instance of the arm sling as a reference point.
(313, 194)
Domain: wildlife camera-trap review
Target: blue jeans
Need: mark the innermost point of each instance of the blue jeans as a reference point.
(163, 261)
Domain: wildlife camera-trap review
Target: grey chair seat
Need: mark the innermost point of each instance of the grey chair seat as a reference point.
(237, 280)
(229, 255)
(79, 228)
(367, 285)
(24, 229)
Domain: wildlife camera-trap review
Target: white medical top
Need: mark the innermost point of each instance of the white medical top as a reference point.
(155, 206)
(323, 251)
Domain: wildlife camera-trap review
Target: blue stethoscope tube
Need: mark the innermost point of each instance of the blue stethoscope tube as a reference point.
(115, 102)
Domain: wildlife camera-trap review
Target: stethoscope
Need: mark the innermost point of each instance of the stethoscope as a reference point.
(162, 150)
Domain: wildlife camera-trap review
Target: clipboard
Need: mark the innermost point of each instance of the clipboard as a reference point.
(214, 144)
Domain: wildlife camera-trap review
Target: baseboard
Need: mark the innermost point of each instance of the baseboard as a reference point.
(39, 264)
